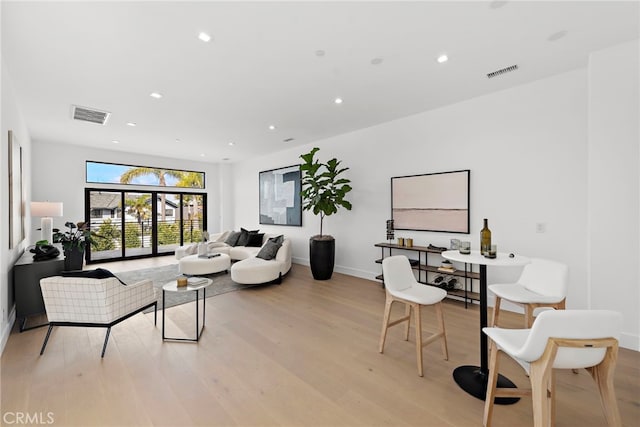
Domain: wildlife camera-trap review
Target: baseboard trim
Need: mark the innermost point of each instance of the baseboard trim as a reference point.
(7, 329)
(362, 274)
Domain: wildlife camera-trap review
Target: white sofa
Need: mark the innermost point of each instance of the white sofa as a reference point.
(248, 269)
(254, 270)
(216, 244)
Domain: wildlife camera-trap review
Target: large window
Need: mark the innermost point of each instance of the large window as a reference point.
(133, 224)
(111, 173)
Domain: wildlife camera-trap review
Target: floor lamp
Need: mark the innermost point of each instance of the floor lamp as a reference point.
(46, 210)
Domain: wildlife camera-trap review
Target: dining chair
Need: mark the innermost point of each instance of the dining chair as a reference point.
(563, 339)
(543, 283)
(402, 286)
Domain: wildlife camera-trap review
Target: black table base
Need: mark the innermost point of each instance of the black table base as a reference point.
(472, 380)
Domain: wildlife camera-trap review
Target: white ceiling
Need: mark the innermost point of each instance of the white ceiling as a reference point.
(262, 67)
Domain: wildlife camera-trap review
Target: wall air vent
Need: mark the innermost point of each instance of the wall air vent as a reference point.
(288, 140)
(89, 115)
(502, 71)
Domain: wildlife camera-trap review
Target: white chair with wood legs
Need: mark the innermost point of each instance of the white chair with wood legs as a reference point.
(543, 283)
(401, 286)
(563, 339)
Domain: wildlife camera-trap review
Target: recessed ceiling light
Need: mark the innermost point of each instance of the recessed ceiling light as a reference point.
(443, 58)
(204, 37)
(116, 141)
(497, 4)
(272, 127)
(376, 61)
(320, 52)
(557, 36)
(155, 95)
(177, 140)
(338, 101)
(231, 144)
(201, 154)
(131, 124)
(288, 140)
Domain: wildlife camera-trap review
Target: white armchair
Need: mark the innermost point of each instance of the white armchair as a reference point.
(102, 303)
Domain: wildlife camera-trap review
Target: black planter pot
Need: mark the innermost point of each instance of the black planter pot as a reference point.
(322, 258)
(73, 259)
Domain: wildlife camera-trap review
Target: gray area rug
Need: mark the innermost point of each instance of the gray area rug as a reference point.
(222, 284)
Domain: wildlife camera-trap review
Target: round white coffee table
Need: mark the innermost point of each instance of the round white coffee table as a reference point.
(173, 287)
(195, 264)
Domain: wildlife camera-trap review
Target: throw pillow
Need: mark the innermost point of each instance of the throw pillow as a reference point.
(269, 250)
(244, 237)
(277, 239)
(222, 237)
(232, 240)
(255, 240)
(98, 273)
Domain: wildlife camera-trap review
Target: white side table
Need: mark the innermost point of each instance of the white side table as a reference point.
(173, 287)
(473, 379)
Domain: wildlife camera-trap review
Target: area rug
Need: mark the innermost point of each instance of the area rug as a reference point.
(222, 284)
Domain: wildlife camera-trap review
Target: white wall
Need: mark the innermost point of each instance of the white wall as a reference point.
(526, 148)
(614, 185)
(59, 176)
(11, 120)
(562, 151)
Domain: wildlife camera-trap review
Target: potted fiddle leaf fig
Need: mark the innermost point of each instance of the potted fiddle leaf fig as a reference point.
(323, 193)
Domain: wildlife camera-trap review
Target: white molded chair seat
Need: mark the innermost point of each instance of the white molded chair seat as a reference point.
(565, 339)
(402, 286)
(543, 283)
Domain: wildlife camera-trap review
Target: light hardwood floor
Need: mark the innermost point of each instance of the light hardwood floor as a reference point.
(302, 353)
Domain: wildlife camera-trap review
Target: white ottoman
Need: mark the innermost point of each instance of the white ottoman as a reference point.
(254, 270)
(194, 265)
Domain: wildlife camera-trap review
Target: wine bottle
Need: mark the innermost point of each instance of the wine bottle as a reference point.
(485, 239)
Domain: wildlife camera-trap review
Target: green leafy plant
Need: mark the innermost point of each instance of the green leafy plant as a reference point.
(77, 236)
(323, 192)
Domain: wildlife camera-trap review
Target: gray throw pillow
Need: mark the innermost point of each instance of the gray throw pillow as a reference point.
(269, 250)
(245, 235)
(232, 240)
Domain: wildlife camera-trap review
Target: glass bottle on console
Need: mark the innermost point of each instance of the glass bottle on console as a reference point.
(485, 238)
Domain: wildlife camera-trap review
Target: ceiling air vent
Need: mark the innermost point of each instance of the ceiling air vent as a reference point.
(89, 115)
(288, 140)
(502, 71)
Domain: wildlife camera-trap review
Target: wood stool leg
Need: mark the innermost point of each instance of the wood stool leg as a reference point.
(407, 313)
(385, 322)
(496, 312)
(443, 342)
(492, 382)
(418, 322)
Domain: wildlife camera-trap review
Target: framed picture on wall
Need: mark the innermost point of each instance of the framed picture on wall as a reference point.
(280, 199)
(16, 193)
(431, 202)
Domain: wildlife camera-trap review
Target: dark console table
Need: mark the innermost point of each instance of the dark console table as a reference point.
(26, 285)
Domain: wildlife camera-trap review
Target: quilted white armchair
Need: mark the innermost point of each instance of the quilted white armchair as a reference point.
(97, 303)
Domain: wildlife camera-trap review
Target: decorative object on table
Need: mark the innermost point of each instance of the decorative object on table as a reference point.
(437, 248)
(400, 241)
(182, 281)
(280, 196)
(446, 266)
(455, 244)
(485, 239)
(46, 210)
(465, 248)
(74, 242)
(44, 251)
(16, 193)
(323, 192)
(390, 233)
(431, 202)
(493, 252)
(408, 242)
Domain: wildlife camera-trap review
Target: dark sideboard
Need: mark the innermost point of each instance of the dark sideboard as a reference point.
(26, 285)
